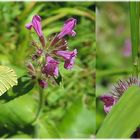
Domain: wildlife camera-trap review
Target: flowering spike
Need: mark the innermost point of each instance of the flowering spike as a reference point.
(68, 28)
(56, 47)
(36, 24)
(69, 57)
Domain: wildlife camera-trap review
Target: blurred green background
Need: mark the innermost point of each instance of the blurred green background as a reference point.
(114, 49)
(70, 108)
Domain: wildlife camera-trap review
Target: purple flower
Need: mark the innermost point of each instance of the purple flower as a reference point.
(68, 28)
(109, 101)
(69, 57)
(43, 83)
(36, 24)
(51, 67)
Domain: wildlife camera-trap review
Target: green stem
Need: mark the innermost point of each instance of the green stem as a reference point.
(134, 24)
(41, 103)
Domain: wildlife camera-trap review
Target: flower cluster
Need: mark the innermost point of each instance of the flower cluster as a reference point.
(110, 100)
(44, 63)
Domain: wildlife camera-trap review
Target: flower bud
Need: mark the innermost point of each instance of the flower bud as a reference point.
(31, 69)
(43, 83)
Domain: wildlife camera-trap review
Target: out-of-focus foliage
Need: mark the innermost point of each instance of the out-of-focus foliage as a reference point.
(113, 34)
(69, 109)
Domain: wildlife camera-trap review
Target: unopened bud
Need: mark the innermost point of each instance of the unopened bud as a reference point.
(39, 52)
(31, 69)
(42, 40)
(43, 83)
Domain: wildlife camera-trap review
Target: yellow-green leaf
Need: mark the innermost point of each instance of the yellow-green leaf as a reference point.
(8, 79)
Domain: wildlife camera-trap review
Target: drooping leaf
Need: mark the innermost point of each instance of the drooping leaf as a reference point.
(25, 85)
(124, 118)
(8, 79)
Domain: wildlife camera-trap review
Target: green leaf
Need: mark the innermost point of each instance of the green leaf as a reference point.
(17, 113)
(124, 118)
(21, 135)
(44, 129)
(25, 85)
(8, 79)
(79, 122)
(76, 11)
(58, 80)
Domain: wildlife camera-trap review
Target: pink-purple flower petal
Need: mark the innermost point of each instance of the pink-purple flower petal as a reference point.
(51, 67)
(29, 26)
(68, 27)
(36, 24)
(69, 57)
(108, 101)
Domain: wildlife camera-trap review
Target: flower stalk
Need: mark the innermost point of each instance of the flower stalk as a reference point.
(41, 102)
(134, 25)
